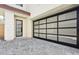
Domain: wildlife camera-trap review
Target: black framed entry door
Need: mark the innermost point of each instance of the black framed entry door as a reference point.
(62, 28)
(19, 27)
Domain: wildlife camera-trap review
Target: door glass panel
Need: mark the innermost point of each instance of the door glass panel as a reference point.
(19, 28)
(52, 25)
(72, 40)
(43, 26)
(36, 34)
(35, 23)
(36, 26)
(68, 31)
(52, 31)
(42, 30)
(42, 35)
(69, 15)
(70, 23)
(52, 19)
(36, 31)
(52, 37)
(42, 21)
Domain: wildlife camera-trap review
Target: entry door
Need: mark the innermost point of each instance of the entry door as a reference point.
(19, 28)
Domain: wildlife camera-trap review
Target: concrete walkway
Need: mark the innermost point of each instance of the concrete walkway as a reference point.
(34, 47)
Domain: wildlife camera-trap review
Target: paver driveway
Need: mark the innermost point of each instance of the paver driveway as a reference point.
(25, 46)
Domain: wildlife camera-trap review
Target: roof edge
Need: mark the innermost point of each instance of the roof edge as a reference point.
(14, 9)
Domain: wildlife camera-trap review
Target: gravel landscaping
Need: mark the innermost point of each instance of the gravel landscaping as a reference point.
(26, 46)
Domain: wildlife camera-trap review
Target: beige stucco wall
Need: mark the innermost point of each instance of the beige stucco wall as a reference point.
(9, 25)
(29, 28)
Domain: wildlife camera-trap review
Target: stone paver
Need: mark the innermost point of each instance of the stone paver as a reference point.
(33, 46)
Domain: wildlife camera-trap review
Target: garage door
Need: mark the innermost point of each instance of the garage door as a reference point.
(60, 28)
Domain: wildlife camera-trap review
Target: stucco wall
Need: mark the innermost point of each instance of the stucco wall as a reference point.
(9, 25)
(29, 28)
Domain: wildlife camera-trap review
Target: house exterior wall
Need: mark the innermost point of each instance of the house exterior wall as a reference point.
(29, 28)
(9, 25)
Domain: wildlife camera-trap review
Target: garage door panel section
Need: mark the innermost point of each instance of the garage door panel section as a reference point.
(36, 30)
(36, 23)
(42, 31)
(68, 32)
(70, 23)
(42, 26)
(68, 15)
(67, 39)
(36, 34)
(42, 35)
(52, 25)
(42, 21)
(52, 37)
(51, 31)
(52, 19)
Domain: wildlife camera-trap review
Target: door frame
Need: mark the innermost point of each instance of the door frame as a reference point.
(21, 28)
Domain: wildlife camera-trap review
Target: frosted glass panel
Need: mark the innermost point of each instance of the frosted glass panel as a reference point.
(43, 26)
(42, 35)
(52, 37)
(43, 21)
(71, 23)
(18, 33)
(52, 19)
(19, 28)
(35, 34)
(68, 39)
(18, 22)
(36, 22)
(52, 25)
(35, 26)
(67, 31)
(68, 15)
(35, 30)
(52, 31)
(43, 31)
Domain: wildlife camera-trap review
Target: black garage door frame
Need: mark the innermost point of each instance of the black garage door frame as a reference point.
(57, 41)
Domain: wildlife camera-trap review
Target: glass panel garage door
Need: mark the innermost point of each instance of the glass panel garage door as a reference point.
(61, 28)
